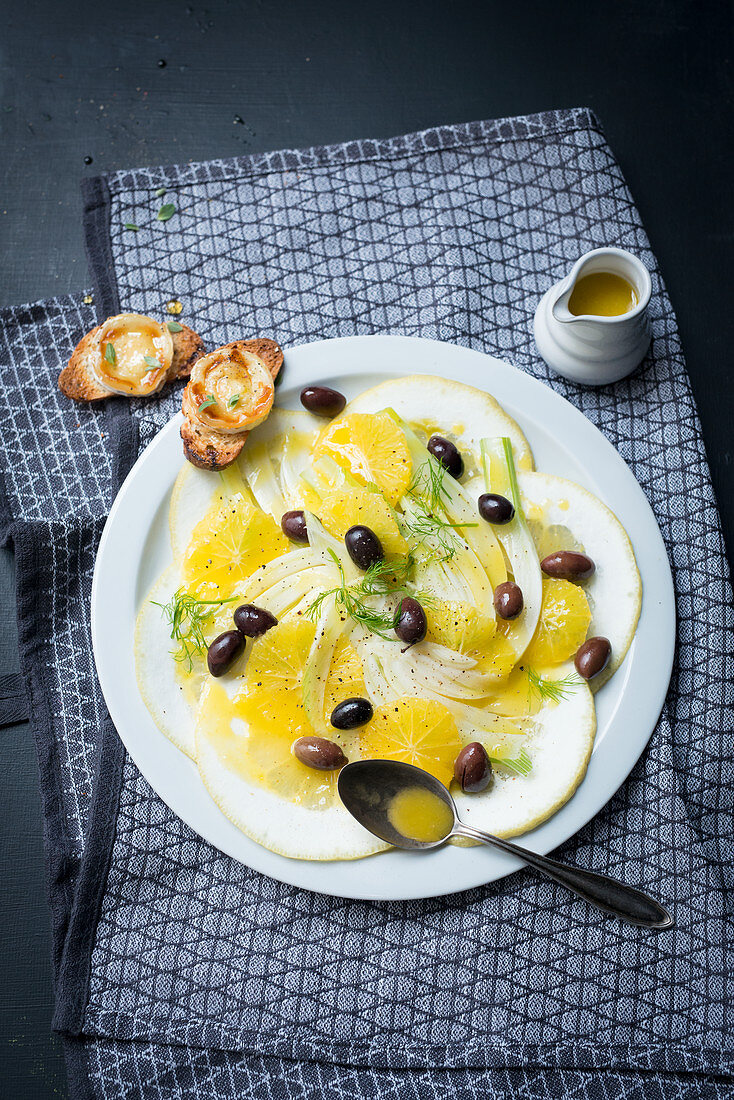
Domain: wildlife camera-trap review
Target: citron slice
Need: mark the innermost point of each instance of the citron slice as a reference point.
(516, 697)
(416, 731)
(232, 540)
(564, 621)
(496, 660)
(373, 447)
(549, 537)
(459, 626)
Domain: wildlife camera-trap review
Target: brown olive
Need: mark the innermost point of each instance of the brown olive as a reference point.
(253, 621)
(411, 623)
(444, 451)
(319, 753)
(323, 401)
(294, 526)
(495, 508)
(224, 651)
(363, 546)
(592, 657)
(508, 601)
(351, 713)
(568, 565)
(472, 768)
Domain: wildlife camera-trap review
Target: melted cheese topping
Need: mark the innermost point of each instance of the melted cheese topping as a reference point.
(230, 391)
(134, 354)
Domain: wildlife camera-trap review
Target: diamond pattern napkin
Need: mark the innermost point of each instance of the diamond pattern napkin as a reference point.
(181, 973)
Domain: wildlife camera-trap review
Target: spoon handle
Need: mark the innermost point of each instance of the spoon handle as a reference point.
(605, 893)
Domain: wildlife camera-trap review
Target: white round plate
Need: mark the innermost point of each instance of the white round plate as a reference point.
(135, 549)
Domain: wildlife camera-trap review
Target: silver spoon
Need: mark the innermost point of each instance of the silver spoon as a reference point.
(367, 787)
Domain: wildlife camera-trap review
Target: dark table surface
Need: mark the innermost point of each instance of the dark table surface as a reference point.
(149, 82)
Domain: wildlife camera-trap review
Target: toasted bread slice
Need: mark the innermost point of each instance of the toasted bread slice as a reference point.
(267, 350)
(188, 346)
(79, 381)
(207, 448)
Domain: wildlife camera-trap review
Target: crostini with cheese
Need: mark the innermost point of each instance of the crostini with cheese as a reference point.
(130, 355)
(230, 392)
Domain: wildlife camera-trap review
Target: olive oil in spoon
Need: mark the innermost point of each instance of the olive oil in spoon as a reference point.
(408, 808)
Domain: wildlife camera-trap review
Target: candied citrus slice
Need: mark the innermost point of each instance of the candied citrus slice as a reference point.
(373, 447)
(342, 508)
(564, 621)
(416, 731)
(232, 540)
(345, 679)
(459, 625)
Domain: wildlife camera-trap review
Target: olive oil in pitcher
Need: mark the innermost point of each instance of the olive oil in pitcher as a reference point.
(602, 294)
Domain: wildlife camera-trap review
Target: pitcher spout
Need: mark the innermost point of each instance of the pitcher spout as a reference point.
(560, 310)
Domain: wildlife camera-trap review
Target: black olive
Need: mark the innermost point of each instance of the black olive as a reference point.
(508, 600)
(472, 768)
(351, 713)
(323, 401)
(319, 753)
(444, 451)
(363, 546)
(411, 624)
(568, 565)
(593, 657)
(294, 526)
(495, 508)
(224, 651)
(253, 621)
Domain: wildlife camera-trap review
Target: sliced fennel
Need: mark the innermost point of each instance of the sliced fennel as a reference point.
(257, 468)
(285, 594)
(329, 627)
(331, 551)
(387, 678)
(447, 574)
(454, 500)
(295, 459)
(498, 466)
(331, 618)
(233, 483)
(283, 568)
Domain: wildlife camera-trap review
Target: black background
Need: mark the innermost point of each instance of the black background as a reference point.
(84, 80)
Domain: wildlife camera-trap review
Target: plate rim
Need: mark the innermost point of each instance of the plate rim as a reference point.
(561, 826)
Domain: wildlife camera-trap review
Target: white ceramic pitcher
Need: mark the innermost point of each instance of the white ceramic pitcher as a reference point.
(595, 350)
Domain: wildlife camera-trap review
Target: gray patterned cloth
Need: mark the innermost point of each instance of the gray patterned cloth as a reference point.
(181, 973)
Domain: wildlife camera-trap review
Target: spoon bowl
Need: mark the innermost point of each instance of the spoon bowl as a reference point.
(368, 789)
